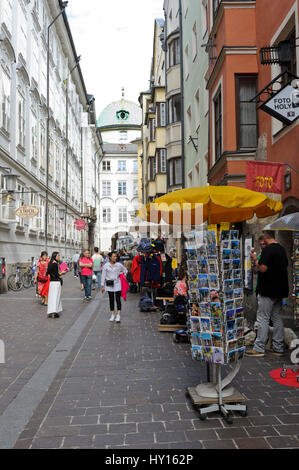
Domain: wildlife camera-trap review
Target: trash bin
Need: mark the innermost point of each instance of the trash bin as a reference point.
(2, 268)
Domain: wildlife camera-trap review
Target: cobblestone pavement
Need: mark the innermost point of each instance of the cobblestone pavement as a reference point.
(123, 386)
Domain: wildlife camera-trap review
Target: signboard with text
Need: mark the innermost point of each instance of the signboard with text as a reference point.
(80, 224)
(264, 177)
(27, 212)
(284, 105)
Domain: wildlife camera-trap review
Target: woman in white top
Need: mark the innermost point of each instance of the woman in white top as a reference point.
(111, 283)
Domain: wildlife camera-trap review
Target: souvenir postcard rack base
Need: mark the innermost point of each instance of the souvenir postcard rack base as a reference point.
(216, 314)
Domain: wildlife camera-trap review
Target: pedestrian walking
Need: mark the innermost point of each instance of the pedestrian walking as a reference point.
(75, 263)
(86, 264)
(111, 283)
(272, 287)
(97, 265)
(41, 276)
(54, 299)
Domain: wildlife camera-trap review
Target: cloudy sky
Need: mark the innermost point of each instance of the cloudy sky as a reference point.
(115, 40)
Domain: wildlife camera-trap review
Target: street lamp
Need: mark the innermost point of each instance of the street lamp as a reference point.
(11, 179)
(63, 7)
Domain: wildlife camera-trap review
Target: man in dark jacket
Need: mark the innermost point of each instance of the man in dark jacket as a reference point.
(271, 289)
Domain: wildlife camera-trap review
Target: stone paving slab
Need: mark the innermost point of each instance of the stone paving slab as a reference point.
(123, 387)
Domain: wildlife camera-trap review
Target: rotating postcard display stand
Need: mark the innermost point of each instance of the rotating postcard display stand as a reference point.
(216, 318)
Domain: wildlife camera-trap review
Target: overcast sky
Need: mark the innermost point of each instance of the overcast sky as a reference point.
(115, 40)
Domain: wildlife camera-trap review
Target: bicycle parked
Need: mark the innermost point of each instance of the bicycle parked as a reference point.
(19, 280)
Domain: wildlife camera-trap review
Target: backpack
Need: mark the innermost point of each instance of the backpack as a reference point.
(97, 263)
(146, 303)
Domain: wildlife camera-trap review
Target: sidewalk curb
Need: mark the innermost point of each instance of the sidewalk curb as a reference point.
(21, 409)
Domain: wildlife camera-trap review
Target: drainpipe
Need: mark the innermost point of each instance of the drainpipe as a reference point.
(165, 67)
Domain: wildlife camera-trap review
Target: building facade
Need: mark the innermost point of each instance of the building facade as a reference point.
(174, 96)
(196, 96)
(24, 116)
(154, 122)
(120, 124)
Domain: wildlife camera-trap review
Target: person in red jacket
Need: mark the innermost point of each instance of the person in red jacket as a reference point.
(136, 272)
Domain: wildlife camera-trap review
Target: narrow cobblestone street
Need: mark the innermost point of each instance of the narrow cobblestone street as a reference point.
(123, 386)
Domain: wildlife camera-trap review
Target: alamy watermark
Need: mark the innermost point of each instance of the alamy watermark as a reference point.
(295, 353)
(2, 352)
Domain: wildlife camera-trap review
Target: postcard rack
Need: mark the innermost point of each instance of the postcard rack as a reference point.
(216, 317)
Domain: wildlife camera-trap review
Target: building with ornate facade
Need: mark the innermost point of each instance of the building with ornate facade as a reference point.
(120, 125)
(27, 106)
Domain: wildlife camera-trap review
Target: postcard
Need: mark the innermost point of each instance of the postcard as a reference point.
(230, 315)
(217, 339)
(238, 303)
(226, 254)
(195, 339)
(204, 309)
(204, 294)
(225, 235)
(231, 335)
(229, 295)
(212, 252)
(238, 283)
(192, 267)
(203, 280)
(202, 252)
(205, 325)
(234, 235)
(240, 322)
(213, 266)
(236, 254)
(236, 263)
(226, 245)
(228, 305)
(213, 281)
(231, 357)
(239, 312)
(216, 310)
(235, 245)
(227, 264)
(228, 284)
(206, 339)
(240, 333)
(191, 254)
(211, 237)
(216, 325)
(231, 345)
(241, 353)
(237, 273)
(218, 356)
(203, 267)
(228, 274)
(230, 325)
(238, 293)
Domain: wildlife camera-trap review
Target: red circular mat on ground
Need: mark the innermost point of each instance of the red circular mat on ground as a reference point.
(290, 380)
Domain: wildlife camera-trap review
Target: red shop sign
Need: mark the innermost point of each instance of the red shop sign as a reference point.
(264, 177)
(80, 224)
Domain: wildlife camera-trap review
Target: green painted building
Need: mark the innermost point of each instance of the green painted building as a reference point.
(196, 97)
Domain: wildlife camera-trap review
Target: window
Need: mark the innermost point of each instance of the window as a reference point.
(204, 16)
(174, 109)
(189, 122)
(106, 215)
(151, 129)
(135, 188)
(21, 120)
(291, 66)
(42, 146)
(161, 114)
(187, 65)
(197, 110)
(246, 88)
(122, 188)
(58, 168)
(107, 166)
(34, 57)
(218, 125)
(5, 100)
(135, 166)
(22, 32)
(6, 13)
(34, 142)
(122, 214)
(106, 188)
(151, 174)
(194, 41)
(175, 171)
(174, 52)
(123, 136)
(122, 165)
(160, 161)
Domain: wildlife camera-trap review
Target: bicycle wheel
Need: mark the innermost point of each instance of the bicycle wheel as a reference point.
(15, 283)
(27, 280)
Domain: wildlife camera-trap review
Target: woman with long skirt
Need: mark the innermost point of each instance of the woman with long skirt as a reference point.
(54, 298)
(41, 276)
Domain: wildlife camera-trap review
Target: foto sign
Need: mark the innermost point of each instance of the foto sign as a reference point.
(27, 212)
(80, 224)
(264, 177)
(284, 105)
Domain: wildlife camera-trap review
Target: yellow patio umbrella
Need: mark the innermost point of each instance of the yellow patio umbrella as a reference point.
(215, 203)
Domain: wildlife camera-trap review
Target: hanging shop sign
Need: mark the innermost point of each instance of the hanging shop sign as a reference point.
(80, 224)
(27, 212)
(284, 105)
(264, 177)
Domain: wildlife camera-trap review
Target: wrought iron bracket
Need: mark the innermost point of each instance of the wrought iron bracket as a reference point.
(270, 89)
(193, 139)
